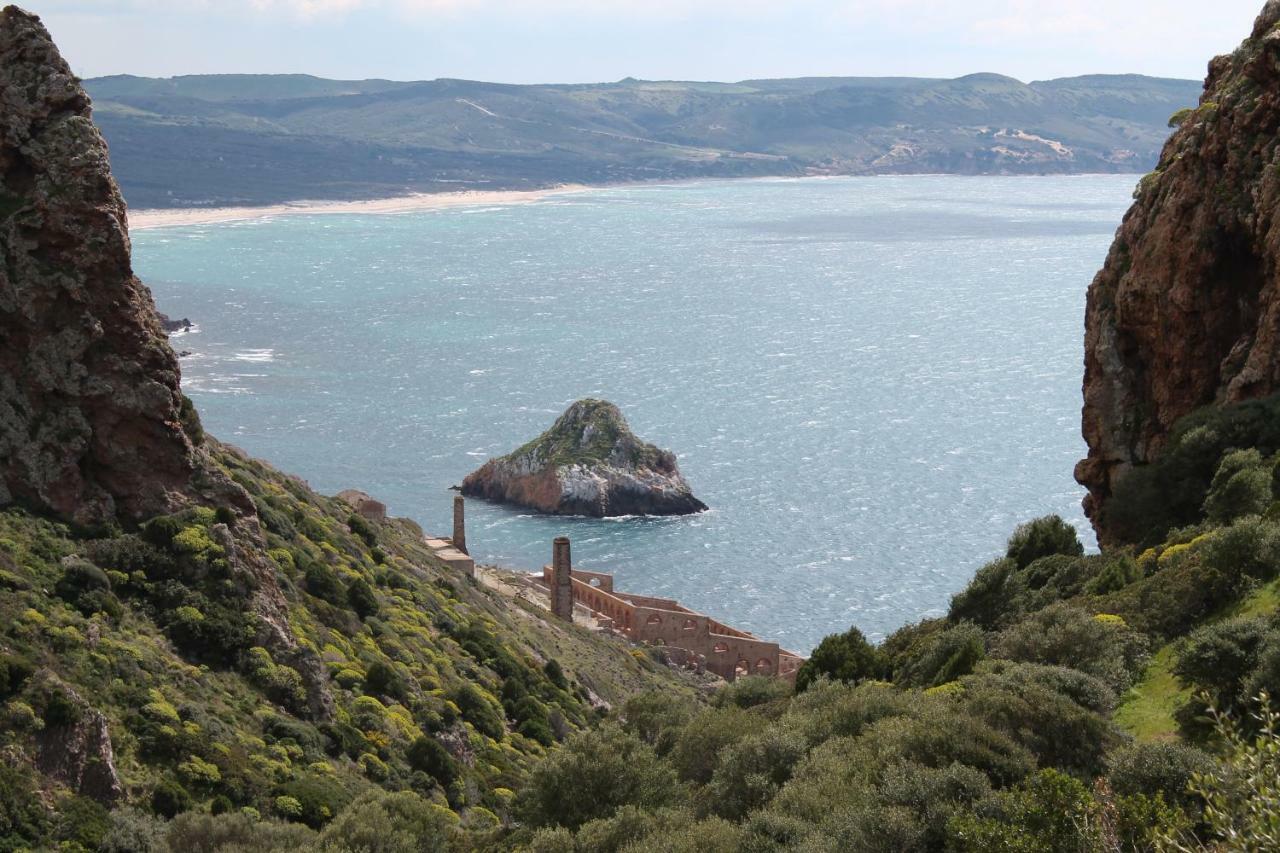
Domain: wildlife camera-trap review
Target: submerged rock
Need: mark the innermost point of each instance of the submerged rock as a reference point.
(588, 463)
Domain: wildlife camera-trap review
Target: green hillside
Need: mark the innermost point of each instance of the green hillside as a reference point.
(254, 139)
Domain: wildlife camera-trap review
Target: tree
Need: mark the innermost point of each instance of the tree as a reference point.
(841, 657)
(1042, 538)
(594, 774)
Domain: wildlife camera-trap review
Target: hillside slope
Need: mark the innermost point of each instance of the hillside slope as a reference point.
(245, 139)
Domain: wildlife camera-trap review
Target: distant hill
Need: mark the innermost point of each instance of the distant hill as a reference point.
(258, 139)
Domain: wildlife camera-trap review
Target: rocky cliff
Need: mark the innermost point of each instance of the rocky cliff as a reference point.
(90, 411)
(1186, 312)
(588, 463)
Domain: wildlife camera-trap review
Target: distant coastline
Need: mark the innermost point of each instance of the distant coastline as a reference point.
(141, 220)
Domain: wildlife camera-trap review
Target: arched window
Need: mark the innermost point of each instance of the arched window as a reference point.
(721, 648)
(595, 582)
(690, 624)
(764, 666)
(742, 669)
(654, 619)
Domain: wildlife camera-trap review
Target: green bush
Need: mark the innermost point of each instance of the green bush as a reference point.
(190, 419)
(1171, 491)
(1248, 548)
(1049, 812)
(1042, 538)
(170, 799)
(1118, 572)
(752, 690)
(202, 833)
(1241, 486)
(362, 598)
(656, 718)
(701, 743)
(380, 822)
(984, 600)
(555, 674)
(320, 798)
(14, 672)
(753, 770)
(1156, 769)
(841, 657)
(1064, 635)
(949, 655)
(81, 821)
(23, 820)
(428, 756)
(383, 680)
(1220, 657)
(616, 769)
(363, 528)
(133, 831)
(478, 710)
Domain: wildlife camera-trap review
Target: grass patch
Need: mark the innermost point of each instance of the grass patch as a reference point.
(1148, 708)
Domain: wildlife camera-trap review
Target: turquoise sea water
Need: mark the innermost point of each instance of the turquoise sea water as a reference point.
(871, 381)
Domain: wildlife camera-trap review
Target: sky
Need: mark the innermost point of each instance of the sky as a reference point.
(567, 41)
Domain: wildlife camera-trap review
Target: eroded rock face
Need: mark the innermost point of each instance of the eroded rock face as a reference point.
(588, 463)
(78, 752)
(1186, 311)
(90, 423)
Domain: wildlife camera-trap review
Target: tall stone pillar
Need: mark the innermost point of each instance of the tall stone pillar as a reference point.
(561, 580)
(460, 524)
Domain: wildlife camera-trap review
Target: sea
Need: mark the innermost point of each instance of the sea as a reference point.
(870, 381)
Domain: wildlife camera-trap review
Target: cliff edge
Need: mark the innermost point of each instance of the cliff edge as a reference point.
(1186, 313)
(91, 417)
(588, 463)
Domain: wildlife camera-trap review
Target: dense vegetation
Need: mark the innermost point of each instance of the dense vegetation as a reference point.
(444, 695)
(1010, 723)
(249, 139)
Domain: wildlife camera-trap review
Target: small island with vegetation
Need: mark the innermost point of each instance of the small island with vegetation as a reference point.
(588, 463)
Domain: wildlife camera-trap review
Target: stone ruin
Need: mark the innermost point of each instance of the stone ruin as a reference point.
(690, 639)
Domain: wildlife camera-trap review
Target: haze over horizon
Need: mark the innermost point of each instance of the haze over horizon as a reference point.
(577, 41)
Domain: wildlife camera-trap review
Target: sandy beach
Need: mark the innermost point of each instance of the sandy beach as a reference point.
(165, 218)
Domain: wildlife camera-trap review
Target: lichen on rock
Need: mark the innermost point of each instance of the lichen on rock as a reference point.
(90, 408)
(1186, 313)
(588, 463)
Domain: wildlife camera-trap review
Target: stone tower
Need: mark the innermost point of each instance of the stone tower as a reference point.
(460, 524)
(561, 580)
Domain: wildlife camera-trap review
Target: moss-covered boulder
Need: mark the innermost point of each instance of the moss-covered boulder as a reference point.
(588, 463)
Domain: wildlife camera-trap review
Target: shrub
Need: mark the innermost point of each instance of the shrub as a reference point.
(616, 768)
(1156, 769)
(1041, 538)
(656, 718)
(1064, 635)
(133, 831)
(1049, 812)
(555, 674)
(23, 820)
(478, 710)
(362, 598)
(831, 709)
(383, 680)
(324, 584)
(1178, 118)
(753, 770)
(318, 797)
(201, 833)
(949, 655)
(1249, 547)
(1060, 732)
(1118, 572)
(428, 756)
(363, 528)
(751, 691)
(1220, 657)
(701, 743)
(842, 657)
(170, 799)
(1242, 800)
(984, 600)
(81, 823)
(14, 672)
(1241, 486)
(381, 822)
(190, 419)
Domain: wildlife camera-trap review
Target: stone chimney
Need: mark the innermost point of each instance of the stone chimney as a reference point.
(561, 580)
(460, 524)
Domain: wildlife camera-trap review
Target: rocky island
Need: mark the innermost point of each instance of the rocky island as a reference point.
(588, 463)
